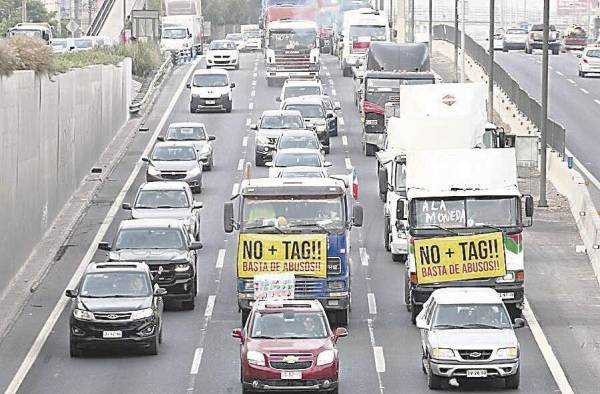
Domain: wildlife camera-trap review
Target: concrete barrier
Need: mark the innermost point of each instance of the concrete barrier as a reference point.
(52, 131)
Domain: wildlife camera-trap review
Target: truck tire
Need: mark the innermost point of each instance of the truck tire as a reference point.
(414, 312)
(434, 382)
(528, 50)
(245, 315)
(258, 162)
(513, 381)
(341, 318)
(386, 233)
(514, 312)
(407, 292)
(369, 150)
(208, 67)
(346, 71)
(504, 49)
(555, 51)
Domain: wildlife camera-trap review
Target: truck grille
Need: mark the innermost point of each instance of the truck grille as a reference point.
(168, 274)
(475, 355)
(308, 287)
(301, 361)
(292, 61)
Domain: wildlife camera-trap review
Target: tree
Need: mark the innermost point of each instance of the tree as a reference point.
(231, 12)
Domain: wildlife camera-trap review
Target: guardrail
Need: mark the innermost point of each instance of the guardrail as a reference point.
(140, 99)
(100, 18)
(528, 106)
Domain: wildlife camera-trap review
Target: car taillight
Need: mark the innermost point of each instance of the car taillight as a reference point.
(520, 276)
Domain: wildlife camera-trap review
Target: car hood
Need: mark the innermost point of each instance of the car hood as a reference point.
(162, 213)
(197, 144)
(163, 255)
(273, 132)
(174, 165)
(473, 338)
(279, 346)
(210, 92)
(221, 52)
(116, 304)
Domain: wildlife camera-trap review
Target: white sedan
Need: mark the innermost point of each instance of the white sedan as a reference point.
(296, 157)
(222, 54)
(589, 61)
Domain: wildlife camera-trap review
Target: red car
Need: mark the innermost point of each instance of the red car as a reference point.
(289, 346)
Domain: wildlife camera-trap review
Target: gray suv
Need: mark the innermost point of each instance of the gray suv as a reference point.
(271, 125)
(535, 39)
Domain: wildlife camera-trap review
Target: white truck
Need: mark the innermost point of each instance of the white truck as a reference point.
(41, 31)
(361, 27)
(252, 37)
(292, 50)
(181, 34)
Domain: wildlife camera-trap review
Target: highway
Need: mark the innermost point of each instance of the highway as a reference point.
(382, 352)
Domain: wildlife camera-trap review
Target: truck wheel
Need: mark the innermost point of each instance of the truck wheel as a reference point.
(504, 49)
(258, 161)
(414, 312)
(407, 292)
(341, 318)
(192, 108)
(245, 314)
(513, 381)
(528, 51)
(514, 312)
(386, 233)
(347, 72)
(370, 149)
(434, 382)
(208, 67)
(398, 258)
(556, 51)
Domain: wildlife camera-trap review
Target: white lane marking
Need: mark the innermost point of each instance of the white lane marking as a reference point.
(210, 305)
(553, 364)
(248, 121)
(559, 73)
(538, 61)
(254, 83)
(345, 140)
(253, 93)
(331, 82)
(333, 92)
(348, 163)
(571, 81)
(372, 304)
(40, 340)
(220, 258)
(254, 75)
(584, 91)
(245, 141)
(341, 121)
(327, 73)
(251, 106)
(597, 101)
(234, 190)
(240, 166)
(324, 67)
(196, 362)
(379, 359)
(364, 257)
(550, 68)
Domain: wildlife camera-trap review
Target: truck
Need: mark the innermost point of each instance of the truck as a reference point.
(183, 7)
(361, 27)
(276, 10)
(291, 50)
(182, 33)
(338, 20)
(295, 226)
(252, 37)
(575, 38)
(41, 31)
(465, 224)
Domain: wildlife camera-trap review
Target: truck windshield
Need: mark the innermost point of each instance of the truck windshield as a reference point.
(377, 33)
(400, 177)
(293, 40)
(84, 43)
(161, 199)
(174, 34)
(467, 212)
(470, 316)
(251, 34)
(383, 90)
(288, 325)
(294, 211)
(149, 238)
(27, 32)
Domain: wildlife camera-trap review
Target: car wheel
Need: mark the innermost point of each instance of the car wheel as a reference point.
(192, 109)
(423, 363)
(237, 66)
(190, 305)
(197, 189)
(347, 72)
(229, 106)
(386, 233)
(246, 390)
(160, 332)
(153, 346)
(341, 318)
(528, 51)
(245, 315)
(258, 162)
(434, 382)
(370, 150)
(514, 312)
(398, 257)
(335, 391)
(556, 51)
(269, 82)
(513, 381)
(504, 49)
(74, 350)
(210, 164)
(327, 149)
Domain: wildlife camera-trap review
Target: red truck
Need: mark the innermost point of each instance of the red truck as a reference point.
(575, 38)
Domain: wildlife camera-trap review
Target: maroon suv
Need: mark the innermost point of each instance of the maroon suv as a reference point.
(288, 346)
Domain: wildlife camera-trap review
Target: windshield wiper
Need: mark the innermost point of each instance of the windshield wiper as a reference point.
(144, 207)
(265, 226)
(317, 225)
(445, 229)
(264, 337)
(482, 325)
(110, 296)
(488, 226)
(448, 326)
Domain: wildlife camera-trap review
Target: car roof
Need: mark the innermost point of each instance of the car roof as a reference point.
(164, 185)
(150, 223)
(303, 82)
(466, 295)
(220, 41)
(205, 71)
(281, 112)
(299, 133)
(304, 100)
(298, 151)
(187, 124)
(112, 266)
(173, 144)
(287, 305)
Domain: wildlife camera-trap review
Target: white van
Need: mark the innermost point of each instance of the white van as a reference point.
(211, 90)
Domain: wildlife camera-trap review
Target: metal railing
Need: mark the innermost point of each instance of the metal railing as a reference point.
(100, 18)
(527, 106)
(138, 101)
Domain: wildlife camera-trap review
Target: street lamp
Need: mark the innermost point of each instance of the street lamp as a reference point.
(491, 51)
(543, 202)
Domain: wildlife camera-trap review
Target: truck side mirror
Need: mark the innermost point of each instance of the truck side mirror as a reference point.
(160, 138)
(383, 180)
(529, 206)
(278, 99)
(104, 246)
(228, 217)
(400, 210)
(126, 206)
(188, 85)
(357, 215)
(71, 293)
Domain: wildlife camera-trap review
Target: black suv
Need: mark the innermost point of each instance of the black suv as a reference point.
(116, 304)
(160, 243)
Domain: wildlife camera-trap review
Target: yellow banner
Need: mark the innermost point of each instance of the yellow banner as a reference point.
(299, 254)
(447, 259)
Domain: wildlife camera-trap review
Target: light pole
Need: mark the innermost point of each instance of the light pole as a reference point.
(491, 73)
(411, 6)
(543, 202)
(430, 28)
(455, 40)
(462, 41)
(23, 10)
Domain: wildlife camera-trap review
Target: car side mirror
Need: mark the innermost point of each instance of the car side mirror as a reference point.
(278, 99)
(197, 205)
(160, 291)
(145, 159)
(190, 35)
(104, 246)
(357, 215)
(340, 332)
(400, 210)
(421, 323)
(195, 245)
(330, 116)
(232, 85)
(228, 217)
(188, 85)
(519, 323)
(269, 164)
(254, 126)
(212, 138)
(126, 206)
(529, 206)
(327, 164)
(237, 333)
(71, 293)
(160, 138)
(579, 55)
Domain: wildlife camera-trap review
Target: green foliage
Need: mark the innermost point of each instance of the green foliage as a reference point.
(145, 56)
(10, 13)
(231, 12)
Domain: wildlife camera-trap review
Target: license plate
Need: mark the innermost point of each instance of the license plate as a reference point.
(112, 334)
(291, 375)
(371, 122)
(210, 102)
(507, 296)
(476, 373)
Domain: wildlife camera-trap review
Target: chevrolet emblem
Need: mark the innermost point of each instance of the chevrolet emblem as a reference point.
(449, 100)
(290, 359)
(475, 355)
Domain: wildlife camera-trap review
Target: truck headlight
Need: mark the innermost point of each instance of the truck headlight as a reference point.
(439, 353)
(249, 285)
(326, 357)
(255, 358)
(508, 278)
(142, 314)
(261, 140)
(182, 267)
(507, 353)
(81, 314)
(153, 171)
(320, 127)
(337, 285)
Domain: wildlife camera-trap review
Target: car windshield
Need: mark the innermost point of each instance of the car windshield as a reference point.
(294, 159)
(304, 39)
(210, 80)
(84, 43)
(297, 91)
(298, 141)
(281, 122)
(115, 284)
(173, 153)
(175, 34)
(162, 199)
(290, 2)
(471, 316)
(593, 53)
(382, 90)
(467, 212)
(376, 33)
(307, 110)
(234, 37)
(149, 238)
(222, 45)
(194, 133)
(288, 325)
(290, 211)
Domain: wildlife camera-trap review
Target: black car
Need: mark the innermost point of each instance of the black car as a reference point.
(116, 304)
(160, 243)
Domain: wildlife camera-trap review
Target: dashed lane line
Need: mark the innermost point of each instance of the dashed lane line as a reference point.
(341, 121)
(196, 361)
(348, 163)
(377, 355)
(210, 305)
(561, 74)
(240, 166)
(251, 106)
(597, 101)
(372, 304)
(234, 190)
(571, 81)
(364, 257)
(584, 91)
(248, 122)
(220, 259)
(253, 93)
(245, 140)
(333, 92)
(345, 140)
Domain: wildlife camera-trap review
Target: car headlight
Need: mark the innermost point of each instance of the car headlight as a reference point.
(337, 285)
(508, 278)
(142, 314)
(261, 140)
(182, 267)
(326, 357)
(439, 353)
(194, 171)
(153, 171)
(320, 127)
(255, 358)
(81, 314)
(507, 353)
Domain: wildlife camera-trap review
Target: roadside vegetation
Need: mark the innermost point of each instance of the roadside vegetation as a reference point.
(24, 53)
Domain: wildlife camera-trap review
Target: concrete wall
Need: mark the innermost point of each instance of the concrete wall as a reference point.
(51, 134)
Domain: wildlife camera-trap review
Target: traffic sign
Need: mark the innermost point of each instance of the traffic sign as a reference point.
(72, 26)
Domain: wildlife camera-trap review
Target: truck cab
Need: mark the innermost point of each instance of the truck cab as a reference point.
(297, 226)
(40, 31)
